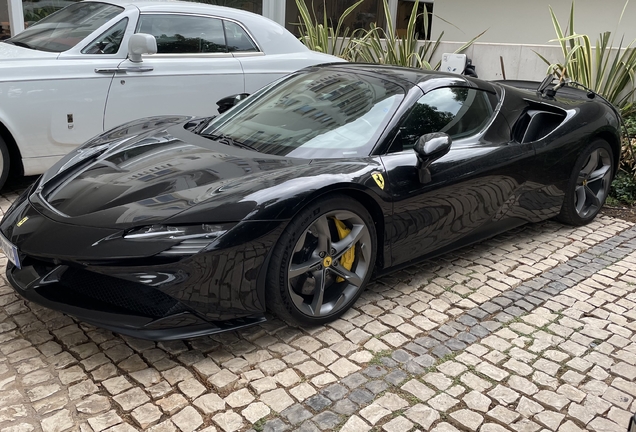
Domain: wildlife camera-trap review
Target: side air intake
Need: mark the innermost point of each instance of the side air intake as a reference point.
(536, 124)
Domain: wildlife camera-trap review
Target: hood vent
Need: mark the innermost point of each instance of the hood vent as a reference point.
(70, 172)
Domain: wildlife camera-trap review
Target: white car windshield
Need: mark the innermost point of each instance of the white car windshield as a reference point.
(322, 114)
(64, 29)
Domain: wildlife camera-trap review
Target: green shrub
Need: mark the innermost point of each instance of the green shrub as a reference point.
(37, 14)
(623, 189)
(630, 124)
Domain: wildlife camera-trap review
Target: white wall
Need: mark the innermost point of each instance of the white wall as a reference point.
(520, 61)
(529, 22)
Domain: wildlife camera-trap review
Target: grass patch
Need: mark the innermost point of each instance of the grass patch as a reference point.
(378, 356)
(448, 357)
(547, 330)
(430, 369)
(512, 321)
(260, 425)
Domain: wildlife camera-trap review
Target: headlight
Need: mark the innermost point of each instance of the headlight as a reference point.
(191, 238)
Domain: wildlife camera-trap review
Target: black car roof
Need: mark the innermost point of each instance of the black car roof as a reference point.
(409, 77)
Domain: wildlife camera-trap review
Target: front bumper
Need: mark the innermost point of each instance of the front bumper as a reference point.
(114, 304)
(112, 285)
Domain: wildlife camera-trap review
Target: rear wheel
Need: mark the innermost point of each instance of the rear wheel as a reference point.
(322, 261)
(4, 162)
(589, 184)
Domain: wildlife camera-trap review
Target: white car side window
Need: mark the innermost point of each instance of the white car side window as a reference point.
(183, 34)
(237, 38)
(109, 41)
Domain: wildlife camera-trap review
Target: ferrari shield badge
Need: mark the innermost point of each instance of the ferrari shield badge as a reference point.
(379, 179)
(24, 219)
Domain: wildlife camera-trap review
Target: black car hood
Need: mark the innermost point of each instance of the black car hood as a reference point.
(150, 171)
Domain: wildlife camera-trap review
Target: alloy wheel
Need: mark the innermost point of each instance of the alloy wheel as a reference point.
(593, 183)
(329, 264)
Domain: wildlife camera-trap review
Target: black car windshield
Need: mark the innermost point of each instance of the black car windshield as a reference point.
(322, 114)
(65, 28)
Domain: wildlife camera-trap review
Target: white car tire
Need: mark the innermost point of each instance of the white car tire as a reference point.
(5, 163)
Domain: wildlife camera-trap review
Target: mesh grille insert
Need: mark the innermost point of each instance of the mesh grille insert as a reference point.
(131, 296)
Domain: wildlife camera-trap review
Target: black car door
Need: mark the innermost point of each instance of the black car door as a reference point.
(471, 188)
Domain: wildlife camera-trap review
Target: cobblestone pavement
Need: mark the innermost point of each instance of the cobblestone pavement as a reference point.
(534, 330)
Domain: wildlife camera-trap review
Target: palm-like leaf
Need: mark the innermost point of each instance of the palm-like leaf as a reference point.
(607, 69)
(321, 37)
(375, 45)
(597, 67)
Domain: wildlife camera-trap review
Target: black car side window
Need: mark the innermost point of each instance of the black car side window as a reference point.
(183, 34)
(458, 111)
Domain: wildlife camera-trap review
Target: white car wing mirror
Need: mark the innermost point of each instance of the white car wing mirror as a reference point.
(141, 43)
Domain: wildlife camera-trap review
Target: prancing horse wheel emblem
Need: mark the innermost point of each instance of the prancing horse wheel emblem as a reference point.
(327, 261)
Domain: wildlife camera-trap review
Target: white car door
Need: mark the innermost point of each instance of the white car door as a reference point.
(52, 113)
(192, 70)
(55, 104)
(77, 114)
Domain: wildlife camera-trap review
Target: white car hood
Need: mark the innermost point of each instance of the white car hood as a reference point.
(13, 52)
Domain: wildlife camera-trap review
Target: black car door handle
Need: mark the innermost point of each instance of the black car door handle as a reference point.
(125, 69)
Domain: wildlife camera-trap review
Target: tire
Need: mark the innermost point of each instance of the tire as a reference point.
(5, 163)
(589, 184)
(313, 242)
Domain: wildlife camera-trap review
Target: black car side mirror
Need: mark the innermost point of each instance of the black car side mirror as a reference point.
(228, 102)
(429, 148)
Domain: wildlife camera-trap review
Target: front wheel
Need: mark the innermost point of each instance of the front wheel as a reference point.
(589, 184)
(322, 261)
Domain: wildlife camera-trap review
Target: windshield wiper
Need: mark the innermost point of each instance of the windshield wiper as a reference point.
(201, 126)
(18, 43)
(224, 139)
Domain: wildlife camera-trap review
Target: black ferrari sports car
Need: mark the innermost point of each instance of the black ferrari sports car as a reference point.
(174, 227)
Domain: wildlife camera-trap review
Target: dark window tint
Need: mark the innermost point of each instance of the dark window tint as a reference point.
(422, 27)
(182, 34)
(109, 41)
(254, 6)
(459, 112)
(237, 39)
(364, 15)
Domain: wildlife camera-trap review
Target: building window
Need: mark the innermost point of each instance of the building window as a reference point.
(405, 8)
(370, 11)
(5, 26)
(255, 6)
(34, 11)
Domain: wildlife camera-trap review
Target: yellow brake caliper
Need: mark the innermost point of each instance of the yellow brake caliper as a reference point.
(349, 256)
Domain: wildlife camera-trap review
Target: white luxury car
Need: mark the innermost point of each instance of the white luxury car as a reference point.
(84, 70)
